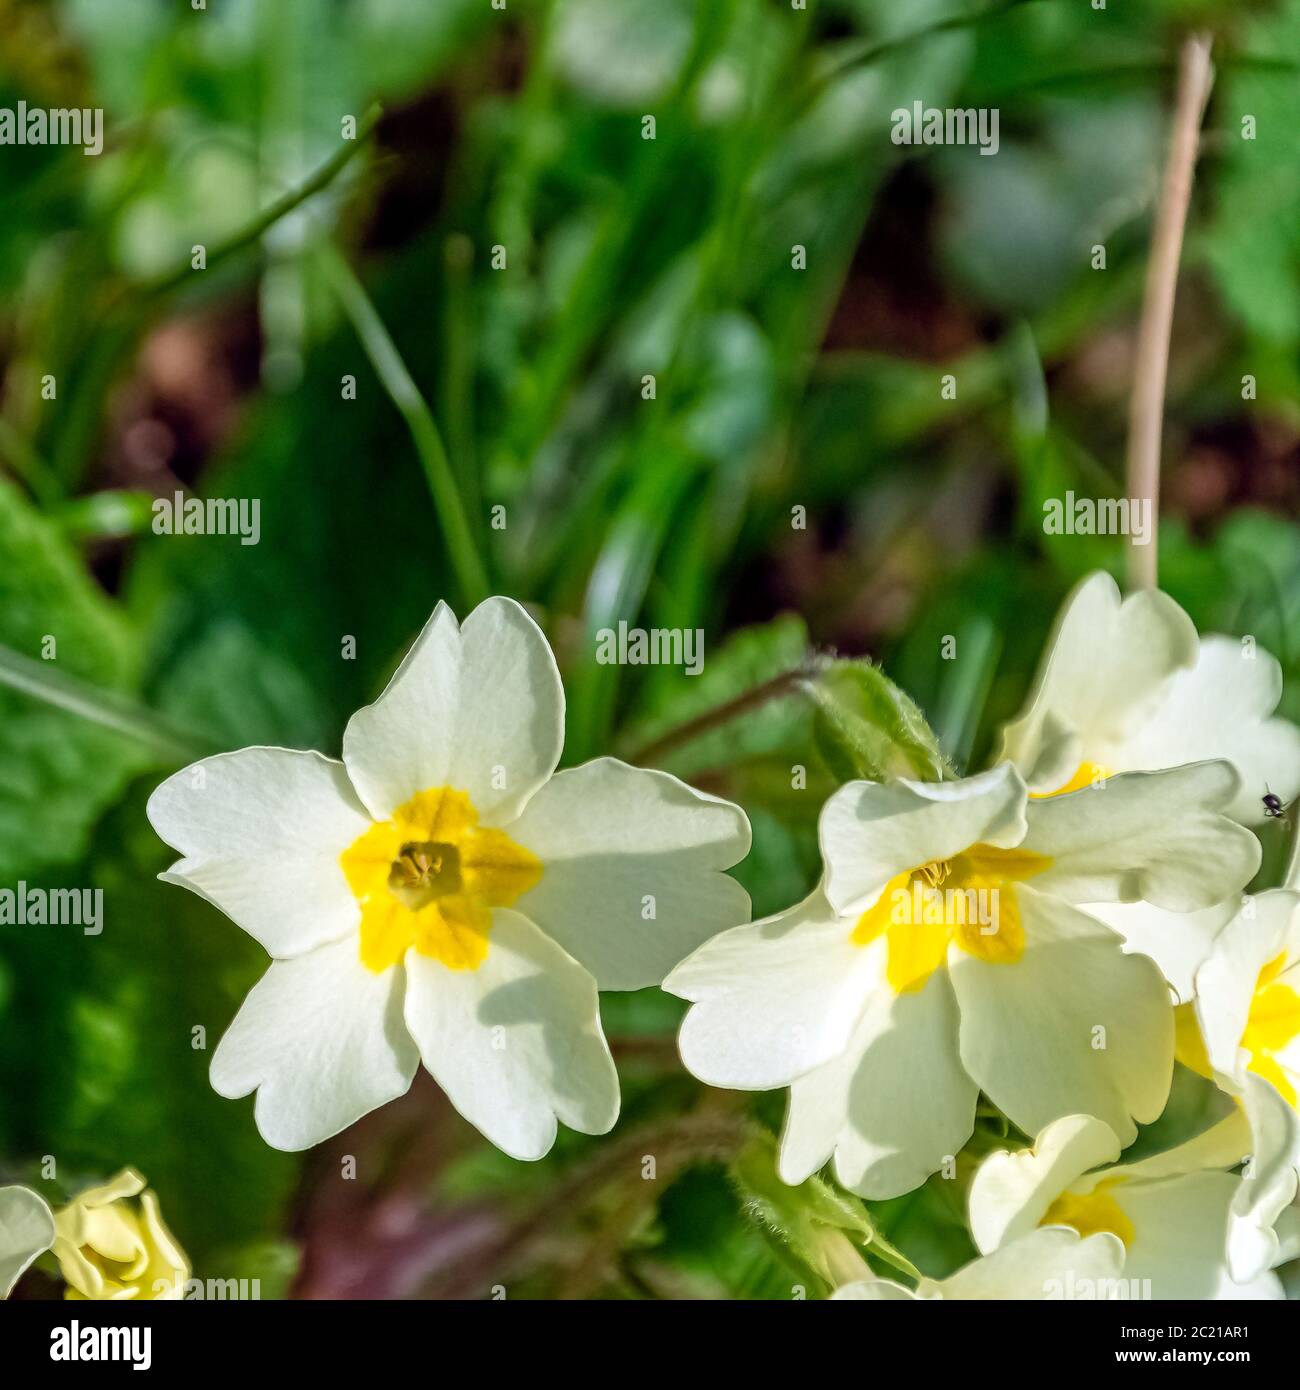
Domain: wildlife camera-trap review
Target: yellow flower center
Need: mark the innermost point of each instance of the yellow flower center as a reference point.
(1272, 1024)
(1189, 1045)
(969, 900)
(429, 878)
(1091, 1213)
(1085, 775)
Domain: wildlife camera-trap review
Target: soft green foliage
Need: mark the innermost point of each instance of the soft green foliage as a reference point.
(1253, 242)
(795, 486)
(100, 1043)
(57, 773)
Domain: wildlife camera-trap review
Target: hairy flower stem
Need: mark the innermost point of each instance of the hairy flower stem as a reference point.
(1146, 406)
(784, 684)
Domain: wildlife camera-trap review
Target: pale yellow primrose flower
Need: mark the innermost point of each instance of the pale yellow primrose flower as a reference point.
(1047, 1265)
(443, 895)
(886, 1002)
(1125, 685)
(1245, 1034)
(109, 1245)
(1170, 1212)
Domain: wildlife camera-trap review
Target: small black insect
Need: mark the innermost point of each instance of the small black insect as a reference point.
(1273, 804)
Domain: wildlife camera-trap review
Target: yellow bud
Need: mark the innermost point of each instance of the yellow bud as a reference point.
(110, 1245)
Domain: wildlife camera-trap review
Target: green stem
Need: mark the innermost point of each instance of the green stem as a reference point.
(892, 1256)
(27, 464)
(400, 385)
(127, 312)
(273, 212)
(865, 52)
(108, 708)
(458, 374)
(784, 684)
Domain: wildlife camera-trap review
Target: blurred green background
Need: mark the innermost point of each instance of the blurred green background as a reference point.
(796, 479)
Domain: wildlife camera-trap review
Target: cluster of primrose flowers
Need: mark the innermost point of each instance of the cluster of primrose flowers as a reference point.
(1052, 932)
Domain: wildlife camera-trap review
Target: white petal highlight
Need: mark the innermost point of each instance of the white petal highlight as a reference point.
(870, 831)
(1180, 1236)
(1269, 1183)
(26, 1231)
(1046, 1265)
(479, 708)
(1178, 942)
(516, 1043)
(1225, 983)
(1011, 1192)
(1074, 1026)
(1154, 836)
(1220, 708)
(262, 830)
(619, 842)
(1106, 666)
(893, 1106)
(321, 1039)
(775, 998)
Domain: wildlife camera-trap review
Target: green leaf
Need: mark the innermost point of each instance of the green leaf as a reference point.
(1253, 238)
(337, 559)
(234, 687)
(930, 1224)
(267, 1268)
(57, 772)
(1195, 1104)
(109, 1040)
(104, 515)
(714, 1250)
(867, 727)
(784, 862)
